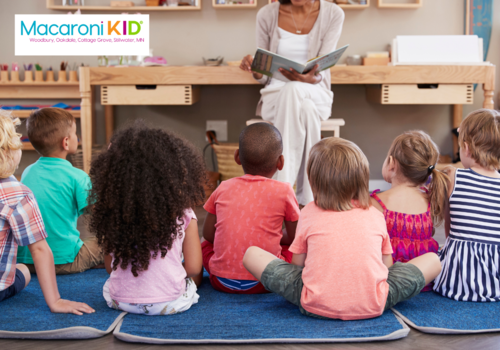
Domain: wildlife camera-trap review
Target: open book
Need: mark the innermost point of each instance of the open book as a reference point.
(268, 63)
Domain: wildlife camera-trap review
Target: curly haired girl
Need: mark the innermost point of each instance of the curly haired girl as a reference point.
(143, 189)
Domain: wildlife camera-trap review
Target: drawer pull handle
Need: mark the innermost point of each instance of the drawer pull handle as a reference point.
(428, 86)
(145, 87)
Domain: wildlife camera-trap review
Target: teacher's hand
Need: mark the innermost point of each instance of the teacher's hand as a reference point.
(246, 65)
(310, 77)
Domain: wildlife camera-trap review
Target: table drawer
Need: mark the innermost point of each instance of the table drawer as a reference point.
(428, 94)
(149, 94)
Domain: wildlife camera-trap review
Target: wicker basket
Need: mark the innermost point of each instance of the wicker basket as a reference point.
(227, 166)
(77, 158)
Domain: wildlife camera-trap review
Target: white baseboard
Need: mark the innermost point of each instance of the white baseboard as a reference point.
(379, 185)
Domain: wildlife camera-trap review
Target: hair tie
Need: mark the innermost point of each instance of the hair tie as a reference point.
(430, 168)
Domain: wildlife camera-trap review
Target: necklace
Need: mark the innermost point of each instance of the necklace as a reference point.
(303, 24)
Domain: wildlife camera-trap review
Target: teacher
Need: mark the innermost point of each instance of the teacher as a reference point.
(299, 30)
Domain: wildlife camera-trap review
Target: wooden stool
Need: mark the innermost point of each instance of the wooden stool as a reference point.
(326, 125)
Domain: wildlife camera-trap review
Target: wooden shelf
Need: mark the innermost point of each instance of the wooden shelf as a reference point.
(52, 6)
(234, 6)
(51, 84)
(345, 6)
(402, 6)
(26, 113)
(27, 146)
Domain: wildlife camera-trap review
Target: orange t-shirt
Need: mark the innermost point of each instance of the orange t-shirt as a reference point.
(344, 276)
(250, 211)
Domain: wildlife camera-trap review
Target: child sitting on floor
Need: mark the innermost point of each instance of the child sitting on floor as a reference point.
(61, 191)
(471, 255)
(249, 210)
(143, 189)
(21, 224)
(408, 207)
(342, 265)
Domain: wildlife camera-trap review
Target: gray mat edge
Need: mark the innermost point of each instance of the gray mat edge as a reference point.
(437, 330)
(78, 332)
(401, 333)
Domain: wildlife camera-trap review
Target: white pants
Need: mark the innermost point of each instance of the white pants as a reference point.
(296, 109)
(181, 304)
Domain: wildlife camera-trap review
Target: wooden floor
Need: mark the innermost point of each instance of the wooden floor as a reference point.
(414, 341)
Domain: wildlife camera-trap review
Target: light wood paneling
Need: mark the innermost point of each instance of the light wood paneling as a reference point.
(26, 113)
(53, 91)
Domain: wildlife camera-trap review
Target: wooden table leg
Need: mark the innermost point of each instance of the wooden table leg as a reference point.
(457, 119)
(488, 98)
(86, 117)
(109, 118)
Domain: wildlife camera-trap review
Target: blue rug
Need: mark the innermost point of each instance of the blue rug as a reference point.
(27, 316)
(432, 313)
(265, 318)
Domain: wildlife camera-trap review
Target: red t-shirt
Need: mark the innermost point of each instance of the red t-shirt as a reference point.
(250, 211)
(344, 276)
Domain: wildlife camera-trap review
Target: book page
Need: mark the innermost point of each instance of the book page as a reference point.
(326, 61)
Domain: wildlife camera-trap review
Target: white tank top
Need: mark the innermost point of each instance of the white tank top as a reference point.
(291, 46)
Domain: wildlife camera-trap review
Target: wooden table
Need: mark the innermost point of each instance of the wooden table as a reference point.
(226, 75)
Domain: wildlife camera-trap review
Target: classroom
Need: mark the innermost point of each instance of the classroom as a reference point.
(306, 174)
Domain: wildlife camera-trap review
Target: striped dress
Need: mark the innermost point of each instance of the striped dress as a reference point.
(471, 255)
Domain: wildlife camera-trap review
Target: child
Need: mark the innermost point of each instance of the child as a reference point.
(249, 210)
(144, 187)
(22, 224)
(408, 207)
(342, 264)
(61, 191)
(471, 255)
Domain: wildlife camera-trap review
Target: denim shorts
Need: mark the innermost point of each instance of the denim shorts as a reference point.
(16, 287)
(405, 281)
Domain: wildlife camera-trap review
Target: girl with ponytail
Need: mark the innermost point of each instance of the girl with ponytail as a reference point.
(411, 210)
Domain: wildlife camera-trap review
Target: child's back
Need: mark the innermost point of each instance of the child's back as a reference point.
(249, 211)
(410, 209)
(61, 191)
(344, 277)
(471, 255)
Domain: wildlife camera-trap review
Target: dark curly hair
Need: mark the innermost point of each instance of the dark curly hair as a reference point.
(140, 187)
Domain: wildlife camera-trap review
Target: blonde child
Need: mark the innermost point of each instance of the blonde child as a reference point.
(144, 187)
(22, 225)
(342, 265)
(409, 208)
(471, 255)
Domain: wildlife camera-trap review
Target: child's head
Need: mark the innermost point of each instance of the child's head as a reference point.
(260, 150)
(10, 144)
(52, 130)
(338, 172)
(140, 187)
(479, 139)
(412, 158)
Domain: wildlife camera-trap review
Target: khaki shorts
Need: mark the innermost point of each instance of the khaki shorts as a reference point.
(88, 256)
(405, 281)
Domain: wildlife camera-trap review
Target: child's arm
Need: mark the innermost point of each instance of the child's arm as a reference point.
(451, 172)
(387, 260)
(44, 265)
(289, 233)
(107, 263)
(209, 227)
(299, 259)
(191, 248)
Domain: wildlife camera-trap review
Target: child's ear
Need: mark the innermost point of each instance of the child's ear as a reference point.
(391, 163)
(237, 156)
(281, 162)
(466, 149)
(65, 143)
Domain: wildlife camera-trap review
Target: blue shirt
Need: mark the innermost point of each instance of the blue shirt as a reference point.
(61, 191)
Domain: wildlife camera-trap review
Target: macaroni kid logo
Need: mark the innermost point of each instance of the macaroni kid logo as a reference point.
(81, 35)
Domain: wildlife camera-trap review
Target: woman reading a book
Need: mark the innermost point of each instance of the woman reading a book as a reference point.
(295, 103)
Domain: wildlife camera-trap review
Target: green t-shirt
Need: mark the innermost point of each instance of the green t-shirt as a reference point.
(61, 191)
